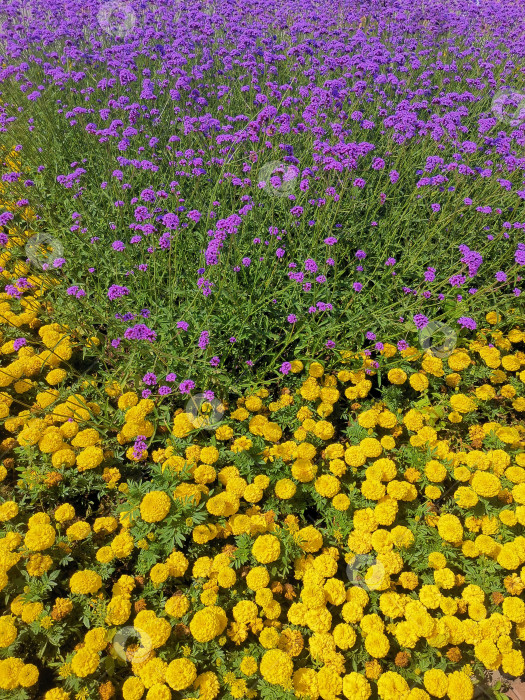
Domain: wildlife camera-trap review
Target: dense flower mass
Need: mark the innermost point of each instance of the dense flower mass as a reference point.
(262, 349)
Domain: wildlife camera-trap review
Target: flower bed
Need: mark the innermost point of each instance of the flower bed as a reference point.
(283, 457)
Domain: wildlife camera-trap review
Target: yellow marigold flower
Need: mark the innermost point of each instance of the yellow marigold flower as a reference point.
(56, 694)
(309, 539)
(177, 606)
(458, 361)
(28, 676)
(435, 471)
(373, 489)
(253, 404)
(297, 366)
(177, 563)
(418, 381)
(485, 392)
(209, 455)
(105, 555)
(38, 564)
(122, 545)
(285, 489)
(327, 485)
(488, 653)
(486, 484)
(85, 582)
(436, 682)
(344, 636)
(133, 688)
(63, 458)
(444, 578)
(356, 687)
(391, 685)
(514, 609)
(8, 631)
(118, 610)
(316, 370)
(107, 525)
(8, 511)
(462, 403)
(453, 380)
(450, 528)
(408, 580)
(241, 444)
(490, 356)
(511, 363)
(226, 577)
(276, 666)
(40, 537)
(159, 573)
(78, 531)
(56, 376)
(248, 666)
(387, 419)
(324, 430)
(86, 438)
(377, 644)
(258, 577)
(368, 419)
(95, 639)
(245, 611)
(155, 506)
(31, 611)
(266, 549)
(513, 663)
(388, 350)
(388, 442)
(208, 623)
(413, 420)
(355, 456)
(507, 391)
(465, 497)
(224, 432)
(341, 502)
(84, 662)
(329, 681)
(69, 429)
(269, 638)
(433, 365)
(493, 317)
(90, 458)
(127, 400)
(519, 404)
(181, 673)
(262, 481)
